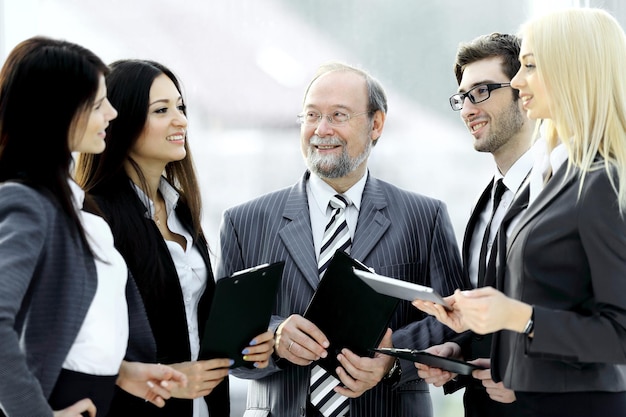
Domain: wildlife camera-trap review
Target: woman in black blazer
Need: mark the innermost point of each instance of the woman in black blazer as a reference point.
(560, 307)
(156, 223)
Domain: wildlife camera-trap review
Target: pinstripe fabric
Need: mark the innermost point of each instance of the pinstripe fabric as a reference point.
(47, 284)
(399, 233)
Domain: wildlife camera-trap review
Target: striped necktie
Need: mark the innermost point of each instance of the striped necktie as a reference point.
(336, 237)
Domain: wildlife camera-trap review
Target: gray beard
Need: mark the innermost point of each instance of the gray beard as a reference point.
(331, 166)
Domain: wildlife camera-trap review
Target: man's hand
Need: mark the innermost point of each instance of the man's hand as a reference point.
(437, 376)
(451, 318)
(300, 341)
(497, 392)
(359, 374)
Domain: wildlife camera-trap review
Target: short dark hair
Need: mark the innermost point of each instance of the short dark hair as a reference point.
(488, 46)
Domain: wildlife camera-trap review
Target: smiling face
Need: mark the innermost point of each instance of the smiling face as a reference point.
(339, 152)
(88, 137)
(496, 120)
(163, 137)
(532, 89)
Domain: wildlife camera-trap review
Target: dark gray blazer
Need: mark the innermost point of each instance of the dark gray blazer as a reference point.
(47, 283)
(401, 234)
(567, 257)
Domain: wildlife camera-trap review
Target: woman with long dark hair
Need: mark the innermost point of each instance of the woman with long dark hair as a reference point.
(145, 184)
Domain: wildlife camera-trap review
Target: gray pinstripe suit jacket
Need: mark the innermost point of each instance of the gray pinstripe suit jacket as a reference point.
(47, 283)
(399, 233)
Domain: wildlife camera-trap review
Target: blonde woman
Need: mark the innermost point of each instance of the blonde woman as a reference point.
(560, 307)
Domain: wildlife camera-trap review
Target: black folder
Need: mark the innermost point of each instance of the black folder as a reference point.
(419, 356)
(348, 311)
(241, 309)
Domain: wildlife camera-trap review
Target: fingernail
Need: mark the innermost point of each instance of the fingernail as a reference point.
(256, 364)
(164, 384)
(150, 384)
(232, 362)
(245, 357)
(245, 351)
(253, 342)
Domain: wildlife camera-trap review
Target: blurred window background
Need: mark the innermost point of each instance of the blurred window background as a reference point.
(244, 65)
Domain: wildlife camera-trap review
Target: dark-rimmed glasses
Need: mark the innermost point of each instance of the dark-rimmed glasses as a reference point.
(476, 95)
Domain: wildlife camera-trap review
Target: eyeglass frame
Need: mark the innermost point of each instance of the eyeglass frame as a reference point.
(460, 97)
(300, 117)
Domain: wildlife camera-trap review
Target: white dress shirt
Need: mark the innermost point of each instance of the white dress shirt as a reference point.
(513, 180)
(319, 194)
(191, 270)
(101, 342)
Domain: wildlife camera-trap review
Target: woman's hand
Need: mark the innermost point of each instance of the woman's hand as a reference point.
(487, 310)
(76, 409)
(202, 377)
(149, 381)
(260, 350)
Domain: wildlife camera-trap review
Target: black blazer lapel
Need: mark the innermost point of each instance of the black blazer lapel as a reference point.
(471, 226)
(560, 180)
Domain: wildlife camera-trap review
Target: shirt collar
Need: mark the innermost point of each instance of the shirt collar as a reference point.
(169, 193)
(322, 192)
(78, 194)
(518, 172)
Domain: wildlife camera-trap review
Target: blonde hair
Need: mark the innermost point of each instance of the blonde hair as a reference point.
(581, 56)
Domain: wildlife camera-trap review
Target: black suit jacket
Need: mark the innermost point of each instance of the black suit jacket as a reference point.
(162, 298)
(567, 257)
(473, 345)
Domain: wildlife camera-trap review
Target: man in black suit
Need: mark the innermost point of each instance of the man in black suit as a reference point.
(494, 116)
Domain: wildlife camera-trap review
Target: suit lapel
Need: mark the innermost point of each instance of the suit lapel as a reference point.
(559, 182)
(296, 234)
(471, 225)
(372, 223)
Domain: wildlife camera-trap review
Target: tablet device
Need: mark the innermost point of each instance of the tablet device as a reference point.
(400, 289)
(419, 356)
(241, 309)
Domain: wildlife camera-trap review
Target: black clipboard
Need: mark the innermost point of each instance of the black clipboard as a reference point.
(419, 356)
(348, 311)
(398, 288)
(241, 309)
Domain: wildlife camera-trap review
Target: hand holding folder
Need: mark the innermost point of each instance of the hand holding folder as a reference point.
(350, 313)
(241, 309)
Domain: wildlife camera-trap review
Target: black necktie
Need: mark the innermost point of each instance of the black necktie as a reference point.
(500, 188)
(498, 251)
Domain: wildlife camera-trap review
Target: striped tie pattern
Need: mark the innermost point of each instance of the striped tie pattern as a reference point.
(336, 237)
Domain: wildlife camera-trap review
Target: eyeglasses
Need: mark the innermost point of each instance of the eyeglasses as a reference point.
(476, 95)
(336, 118)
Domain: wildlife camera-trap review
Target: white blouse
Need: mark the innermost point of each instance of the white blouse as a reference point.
(191, 269)
(101, 342)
